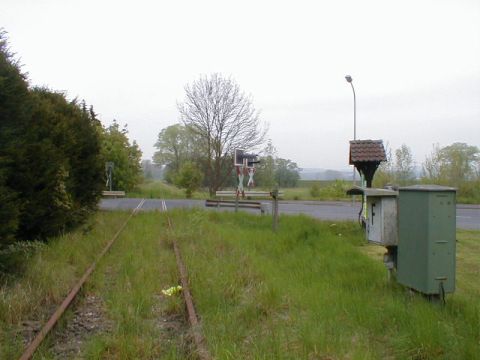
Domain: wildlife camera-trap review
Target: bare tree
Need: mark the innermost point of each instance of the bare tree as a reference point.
(223, 118)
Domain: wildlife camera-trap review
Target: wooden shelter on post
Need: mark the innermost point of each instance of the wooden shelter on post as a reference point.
(366, 156)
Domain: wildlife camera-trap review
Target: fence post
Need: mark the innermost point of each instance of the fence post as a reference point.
(275, 208)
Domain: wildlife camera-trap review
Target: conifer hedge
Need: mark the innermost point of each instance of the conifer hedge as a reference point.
(51, 165)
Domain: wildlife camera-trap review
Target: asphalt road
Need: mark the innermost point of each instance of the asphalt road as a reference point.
(468, 216)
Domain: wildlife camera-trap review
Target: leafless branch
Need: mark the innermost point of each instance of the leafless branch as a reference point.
(224, 118)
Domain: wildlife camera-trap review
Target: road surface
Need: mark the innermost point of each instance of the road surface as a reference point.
(468, 216)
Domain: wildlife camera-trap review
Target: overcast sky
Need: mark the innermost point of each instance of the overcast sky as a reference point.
(415, 65)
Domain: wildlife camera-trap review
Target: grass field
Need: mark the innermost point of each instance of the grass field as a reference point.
(324, 190)
(162, 190)
(314, 290)
(319, 190)
(135, 321)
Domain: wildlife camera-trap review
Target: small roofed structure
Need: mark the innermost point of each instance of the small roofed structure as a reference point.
(366, 156)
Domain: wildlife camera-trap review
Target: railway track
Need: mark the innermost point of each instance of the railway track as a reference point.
(199, 341)
(198, 338)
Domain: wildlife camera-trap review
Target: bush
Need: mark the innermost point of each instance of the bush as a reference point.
(469, 192)
(50, 166)
(189, 177)
(339, 188)
(315, 191)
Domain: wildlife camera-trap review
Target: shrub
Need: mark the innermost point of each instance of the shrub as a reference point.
(315, 190)
(189, 177)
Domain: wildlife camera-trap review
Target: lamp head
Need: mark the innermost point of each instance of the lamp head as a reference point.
(348, 78)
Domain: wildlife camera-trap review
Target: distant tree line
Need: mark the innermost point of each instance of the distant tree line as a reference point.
(456, 165)
(177, 149)
(52, 157)
(275, 171)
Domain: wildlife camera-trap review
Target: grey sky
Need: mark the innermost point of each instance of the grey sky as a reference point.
(415, 65)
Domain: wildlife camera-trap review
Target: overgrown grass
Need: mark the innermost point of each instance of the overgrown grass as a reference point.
(129, 280)
(313, 290)
(307, 190)
(310, 291)
(46, 276)
(322, 190)
(162, 190)
(469, 193)
(319, 190)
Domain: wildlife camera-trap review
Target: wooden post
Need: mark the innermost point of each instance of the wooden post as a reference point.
(275, 208)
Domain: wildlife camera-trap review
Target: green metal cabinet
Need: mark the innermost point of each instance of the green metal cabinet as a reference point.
(426, 244)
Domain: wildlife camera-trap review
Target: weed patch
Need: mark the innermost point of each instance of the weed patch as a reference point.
(121, 312)
(313, 291)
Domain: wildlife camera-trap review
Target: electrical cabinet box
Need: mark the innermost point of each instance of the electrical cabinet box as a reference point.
(426, 244)
(381, 217)
(380, 214)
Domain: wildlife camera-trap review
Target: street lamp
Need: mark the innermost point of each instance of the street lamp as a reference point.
(349, 80)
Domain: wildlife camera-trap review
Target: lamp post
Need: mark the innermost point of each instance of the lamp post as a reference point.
(349, 80)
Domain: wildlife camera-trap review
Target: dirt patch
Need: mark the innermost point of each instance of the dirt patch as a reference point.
(28, 329)
(171, 323)
(88, 319)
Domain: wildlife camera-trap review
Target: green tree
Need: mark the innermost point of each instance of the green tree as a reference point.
(175, 145)
(452, 165)
(385, 173)
(9, 213)
(286, 173)
(189, 177)
(265, 174)
(404, 166)
(147, 170)
(116, 148)
(49, 158)
(58, 170)
(14, 113)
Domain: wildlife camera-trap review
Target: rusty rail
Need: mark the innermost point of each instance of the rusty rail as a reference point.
(198, 338)
(35, 343)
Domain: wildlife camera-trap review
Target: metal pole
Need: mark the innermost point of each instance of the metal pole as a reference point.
(240, 185)
(354, 126)
(354, 113)
(350, 80)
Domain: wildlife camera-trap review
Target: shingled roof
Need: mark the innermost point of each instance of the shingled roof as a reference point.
(366, 151)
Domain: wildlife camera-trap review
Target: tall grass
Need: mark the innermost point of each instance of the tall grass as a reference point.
(318, 190)
(469, 192)
(309, 292)
(331, 190)
(162, 190)
(47, 275)
(326, 190)
(128, 280)
(313, 290)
